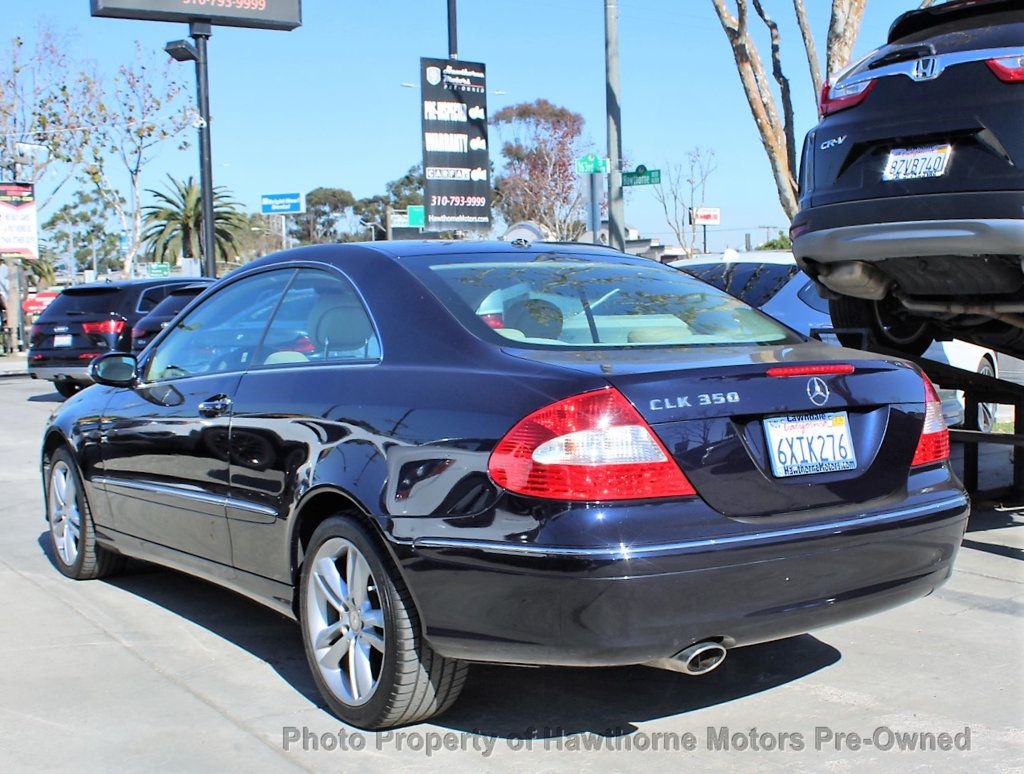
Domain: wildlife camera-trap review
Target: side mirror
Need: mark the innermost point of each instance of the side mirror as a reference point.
(114, 369)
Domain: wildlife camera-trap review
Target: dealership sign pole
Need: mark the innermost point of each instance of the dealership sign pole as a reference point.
(201, 15)
(456, 163)
(19, 239)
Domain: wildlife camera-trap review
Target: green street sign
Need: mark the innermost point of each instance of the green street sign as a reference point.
(417, 216)
(642, 176)
(591, 164)
(158, 269)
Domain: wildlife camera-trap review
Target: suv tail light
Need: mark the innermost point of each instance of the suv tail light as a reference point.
(1009, 69)
(593, 446)
(933, 445)
(834, 99)
(106, 326)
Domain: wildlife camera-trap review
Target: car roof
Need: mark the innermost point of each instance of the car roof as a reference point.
(454, 250)
(124, 284)
(781, 257)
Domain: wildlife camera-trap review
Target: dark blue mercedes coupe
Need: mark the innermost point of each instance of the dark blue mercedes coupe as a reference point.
(430, 454)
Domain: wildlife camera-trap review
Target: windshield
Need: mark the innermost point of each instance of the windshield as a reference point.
(567, 302)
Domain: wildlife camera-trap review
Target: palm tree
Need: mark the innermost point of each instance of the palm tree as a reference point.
(42, 272)
(172, 226)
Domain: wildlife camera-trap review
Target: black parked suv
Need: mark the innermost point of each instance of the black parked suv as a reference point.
(912, 185)
(87, 320)
(177, 299)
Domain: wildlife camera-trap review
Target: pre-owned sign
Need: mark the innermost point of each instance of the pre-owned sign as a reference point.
(456, 163)
(262, 14)
(19, 235)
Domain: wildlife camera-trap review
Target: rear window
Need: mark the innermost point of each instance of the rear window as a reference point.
(565, 302)
(753, 283)
(75, 302)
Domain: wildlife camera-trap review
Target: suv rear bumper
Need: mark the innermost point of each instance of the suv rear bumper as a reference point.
(76, 373)
(910, 239)
(974, 223)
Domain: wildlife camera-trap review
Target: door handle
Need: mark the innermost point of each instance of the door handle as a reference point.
(215, 406)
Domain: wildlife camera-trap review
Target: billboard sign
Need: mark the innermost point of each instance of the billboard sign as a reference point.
(260, 14)
(456, 162)
(19, 233)
(283, 204)
(706, 216)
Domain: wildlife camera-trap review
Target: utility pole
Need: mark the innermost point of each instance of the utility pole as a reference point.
(453, 31)
(200, 33)
(616, 210)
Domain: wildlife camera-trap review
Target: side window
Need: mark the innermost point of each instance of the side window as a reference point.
(321, 319)
(151, 297)
(223, 333)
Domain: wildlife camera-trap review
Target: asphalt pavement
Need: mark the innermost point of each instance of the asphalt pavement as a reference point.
(156, 670)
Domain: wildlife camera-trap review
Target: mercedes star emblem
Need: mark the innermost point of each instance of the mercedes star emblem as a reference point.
(817, 391)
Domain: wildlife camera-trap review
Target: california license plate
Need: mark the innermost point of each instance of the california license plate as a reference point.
(62, 340)
(803, 444)
(916, 163)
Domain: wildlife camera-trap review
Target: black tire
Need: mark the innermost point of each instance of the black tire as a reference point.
(66, 387)
(413, 682)
(889, 328)
(87, 560)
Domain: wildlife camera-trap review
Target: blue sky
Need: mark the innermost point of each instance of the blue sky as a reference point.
(323, 105)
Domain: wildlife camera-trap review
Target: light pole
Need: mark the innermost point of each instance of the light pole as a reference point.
(616, 207)
(183, 51)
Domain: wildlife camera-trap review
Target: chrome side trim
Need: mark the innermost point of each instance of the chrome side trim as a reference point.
(623, 551)
(942, 62)
(187, 494)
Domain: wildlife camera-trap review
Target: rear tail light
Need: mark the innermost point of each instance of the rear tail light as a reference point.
(811, 370)
(836, 98)
(1009, 69)
(495, 321)
(35, 330)
(934, 443)
(106, 326)
(89, 355)
(593, 446)
(302, 344)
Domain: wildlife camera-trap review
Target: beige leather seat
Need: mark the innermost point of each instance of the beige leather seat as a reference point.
(285, 356)
(338, 323)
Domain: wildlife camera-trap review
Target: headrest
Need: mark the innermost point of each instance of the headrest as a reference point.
(535, 317)
(338, 321)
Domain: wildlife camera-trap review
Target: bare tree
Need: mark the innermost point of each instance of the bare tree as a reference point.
(45, 104)
(774, 116)
(683, 189)
(145, 109)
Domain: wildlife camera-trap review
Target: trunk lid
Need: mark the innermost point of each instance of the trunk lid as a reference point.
(709, 406)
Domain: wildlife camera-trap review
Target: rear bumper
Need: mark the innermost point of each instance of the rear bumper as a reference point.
(909, 239)
(614, 605)
(75, 373)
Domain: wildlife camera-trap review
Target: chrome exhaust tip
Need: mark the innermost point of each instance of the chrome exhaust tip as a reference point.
(698, 659)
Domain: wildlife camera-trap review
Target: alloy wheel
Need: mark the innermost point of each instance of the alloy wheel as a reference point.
(65, 517)
(345, 621)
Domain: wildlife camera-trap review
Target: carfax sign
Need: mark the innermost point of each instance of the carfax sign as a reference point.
(456, 163)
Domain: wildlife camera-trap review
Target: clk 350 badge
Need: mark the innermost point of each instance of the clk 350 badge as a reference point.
(703, 399)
